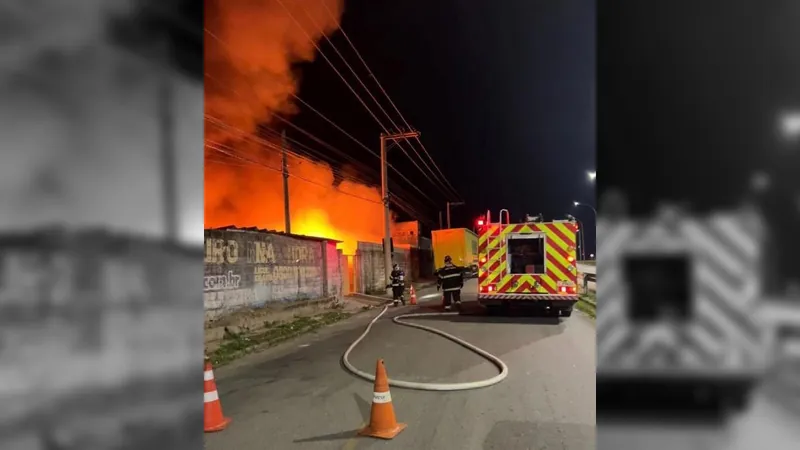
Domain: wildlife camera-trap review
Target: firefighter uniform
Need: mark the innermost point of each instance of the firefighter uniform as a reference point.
(450, 279)
(398, 284)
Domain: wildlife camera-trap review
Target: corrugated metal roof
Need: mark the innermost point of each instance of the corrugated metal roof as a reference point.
(280, 233)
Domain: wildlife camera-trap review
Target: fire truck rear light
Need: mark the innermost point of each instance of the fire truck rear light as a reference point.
(570, 259)
(563, 289)
(483, 260)
(480, 222)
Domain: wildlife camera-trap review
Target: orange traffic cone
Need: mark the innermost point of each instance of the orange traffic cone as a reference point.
(213, 420)
(382, 422)
(413, 296)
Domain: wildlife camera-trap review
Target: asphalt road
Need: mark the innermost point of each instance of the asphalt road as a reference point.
(298, 396)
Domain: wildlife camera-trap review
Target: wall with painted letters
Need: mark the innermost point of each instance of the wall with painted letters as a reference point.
(251, 269)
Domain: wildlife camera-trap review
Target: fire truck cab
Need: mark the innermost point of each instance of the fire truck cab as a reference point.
(531, 263)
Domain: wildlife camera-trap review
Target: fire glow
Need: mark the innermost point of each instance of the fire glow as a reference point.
(251, 77)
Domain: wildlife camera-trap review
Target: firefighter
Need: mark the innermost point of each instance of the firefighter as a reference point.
(450, 279)
(398, 284)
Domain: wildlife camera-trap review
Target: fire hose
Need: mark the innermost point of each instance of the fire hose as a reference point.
(428, 386)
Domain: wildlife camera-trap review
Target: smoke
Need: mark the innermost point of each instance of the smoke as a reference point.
(251, 50)
(39, 39)
(80, 125)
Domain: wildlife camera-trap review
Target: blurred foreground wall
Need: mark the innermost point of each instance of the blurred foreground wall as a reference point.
(95, 325)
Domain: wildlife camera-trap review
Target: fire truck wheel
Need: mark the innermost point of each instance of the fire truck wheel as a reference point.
(566, 312)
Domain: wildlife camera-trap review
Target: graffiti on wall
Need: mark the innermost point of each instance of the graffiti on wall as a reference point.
(227, 251)
(275, 274)
(251, 269)
(220, 251)
(221, 282)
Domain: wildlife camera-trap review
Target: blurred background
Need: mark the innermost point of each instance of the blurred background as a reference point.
(699, 110)
(101, 224)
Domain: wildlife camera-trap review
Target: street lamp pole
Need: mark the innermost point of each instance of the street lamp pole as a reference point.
(588, 206)
(593, 210)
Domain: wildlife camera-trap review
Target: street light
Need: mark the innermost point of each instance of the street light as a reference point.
(592, 175)
(588, 206)
(790, 125)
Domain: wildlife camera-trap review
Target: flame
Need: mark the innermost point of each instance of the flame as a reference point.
(250, 52)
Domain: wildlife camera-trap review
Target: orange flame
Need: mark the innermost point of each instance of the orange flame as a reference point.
(250, 50)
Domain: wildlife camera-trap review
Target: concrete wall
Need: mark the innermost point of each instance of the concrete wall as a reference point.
(250, 269)
(369, 266)
(333, 270)
(83, 298)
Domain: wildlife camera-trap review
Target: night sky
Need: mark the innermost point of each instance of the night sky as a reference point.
(689, 96)
(689, 99)
(502, 92)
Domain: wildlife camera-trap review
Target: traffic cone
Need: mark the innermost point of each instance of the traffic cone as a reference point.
(213, 420)
(382, 422)
(413, 296)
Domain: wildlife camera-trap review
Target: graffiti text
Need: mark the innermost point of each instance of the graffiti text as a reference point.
(221, 282)
(271, 274)
(218, 251)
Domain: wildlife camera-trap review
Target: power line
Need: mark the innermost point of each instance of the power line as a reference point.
(210, 33)
(330, 63)
(355, 74)
(398, 172)
(277, 148)
(367, 169)
(318, 140)
(386, 94)
(262, 127)
(372, 152)
(225, 150)
(265, 166)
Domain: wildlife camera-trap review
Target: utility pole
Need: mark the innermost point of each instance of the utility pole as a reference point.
(449, 204)
(288, 225)
(387, 233)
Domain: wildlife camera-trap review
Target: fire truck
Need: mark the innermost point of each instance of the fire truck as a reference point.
(676, 311)
(531, 263)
